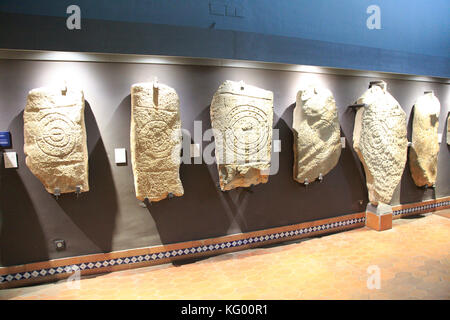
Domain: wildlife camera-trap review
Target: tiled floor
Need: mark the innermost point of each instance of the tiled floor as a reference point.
(413, 260)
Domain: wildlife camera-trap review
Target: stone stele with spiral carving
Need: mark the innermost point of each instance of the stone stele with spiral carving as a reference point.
(317, 143)
(423, 154)
(155, 141)
(241, 118)
(55, 138)
(379, 139)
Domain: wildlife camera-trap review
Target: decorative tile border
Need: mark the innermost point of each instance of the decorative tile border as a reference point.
(421, 207)
(129, 260)
(99, 263)
(119, 260)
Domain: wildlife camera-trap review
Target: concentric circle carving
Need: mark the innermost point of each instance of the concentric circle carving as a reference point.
(155, 138)
(57, 136)
(248, 130)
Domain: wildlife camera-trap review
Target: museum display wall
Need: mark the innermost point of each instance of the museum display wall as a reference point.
(109, 217)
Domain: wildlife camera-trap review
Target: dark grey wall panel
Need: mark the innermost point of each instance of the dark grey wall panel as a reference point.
(109, 217)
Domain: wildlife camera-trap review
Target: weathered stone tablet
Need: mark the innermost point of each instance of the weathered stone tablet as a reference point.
(55, 139)
(423, 154)
(448, 129)
(155, 141)
(241, 117)
(317, 143)
(379, 139)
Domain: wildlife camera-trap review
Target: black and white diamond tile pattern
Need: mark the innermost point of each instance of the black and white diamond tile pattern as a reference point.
(173, 253)
(212, 247)
(421, 208)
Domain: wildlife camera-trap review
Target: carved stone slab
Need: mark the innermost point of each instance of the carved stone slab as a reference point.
(423, 154)
(448, 129)
(317, 143)
(379, 139)
(155, 141)
(241, 117)
(55, 139)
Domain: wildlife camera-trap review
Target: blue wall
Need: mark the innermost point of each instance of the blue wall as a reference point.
(414, 29)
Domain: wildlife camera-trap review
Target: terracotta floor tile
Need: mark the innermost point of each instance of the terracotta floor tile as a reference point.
(413, 259)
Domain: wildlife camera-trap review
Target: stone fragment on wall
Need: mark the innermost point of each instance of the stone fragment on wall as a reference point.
(241, 118)
(379, 139)
(317, 144)
(448, 129)
(55, 139)
(423, 153)
(155, 139)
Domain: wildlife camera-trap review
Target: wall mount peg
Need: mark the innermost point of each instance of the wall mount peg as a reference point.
(320, 177)
(78, 191)
(57, 193)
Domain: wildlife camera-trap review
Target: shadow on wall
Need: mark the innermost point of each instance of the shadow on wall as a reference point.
(234, 201)
(21, 234)
(443, 174)
(298, 202)
(255, 208)
(119, 128)
(409, 192)
(200, 213)
(347, 122)
(446, 132)
(134, 226)
(94, 212)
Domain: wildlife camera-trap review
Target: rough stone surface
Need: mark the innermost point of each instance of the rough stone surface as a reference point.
(241, 117)
(423, 154)
(317, 143)
(379, 139)
(155, 141)
(55, 138)
(448, 129)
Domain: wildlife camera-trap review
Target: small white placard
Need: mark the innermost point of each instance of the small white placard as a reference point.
(120, 155)
(10, 159)
(409, 143)
(276, 145)
(195, 150)
(343, 142)
(439, 137)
